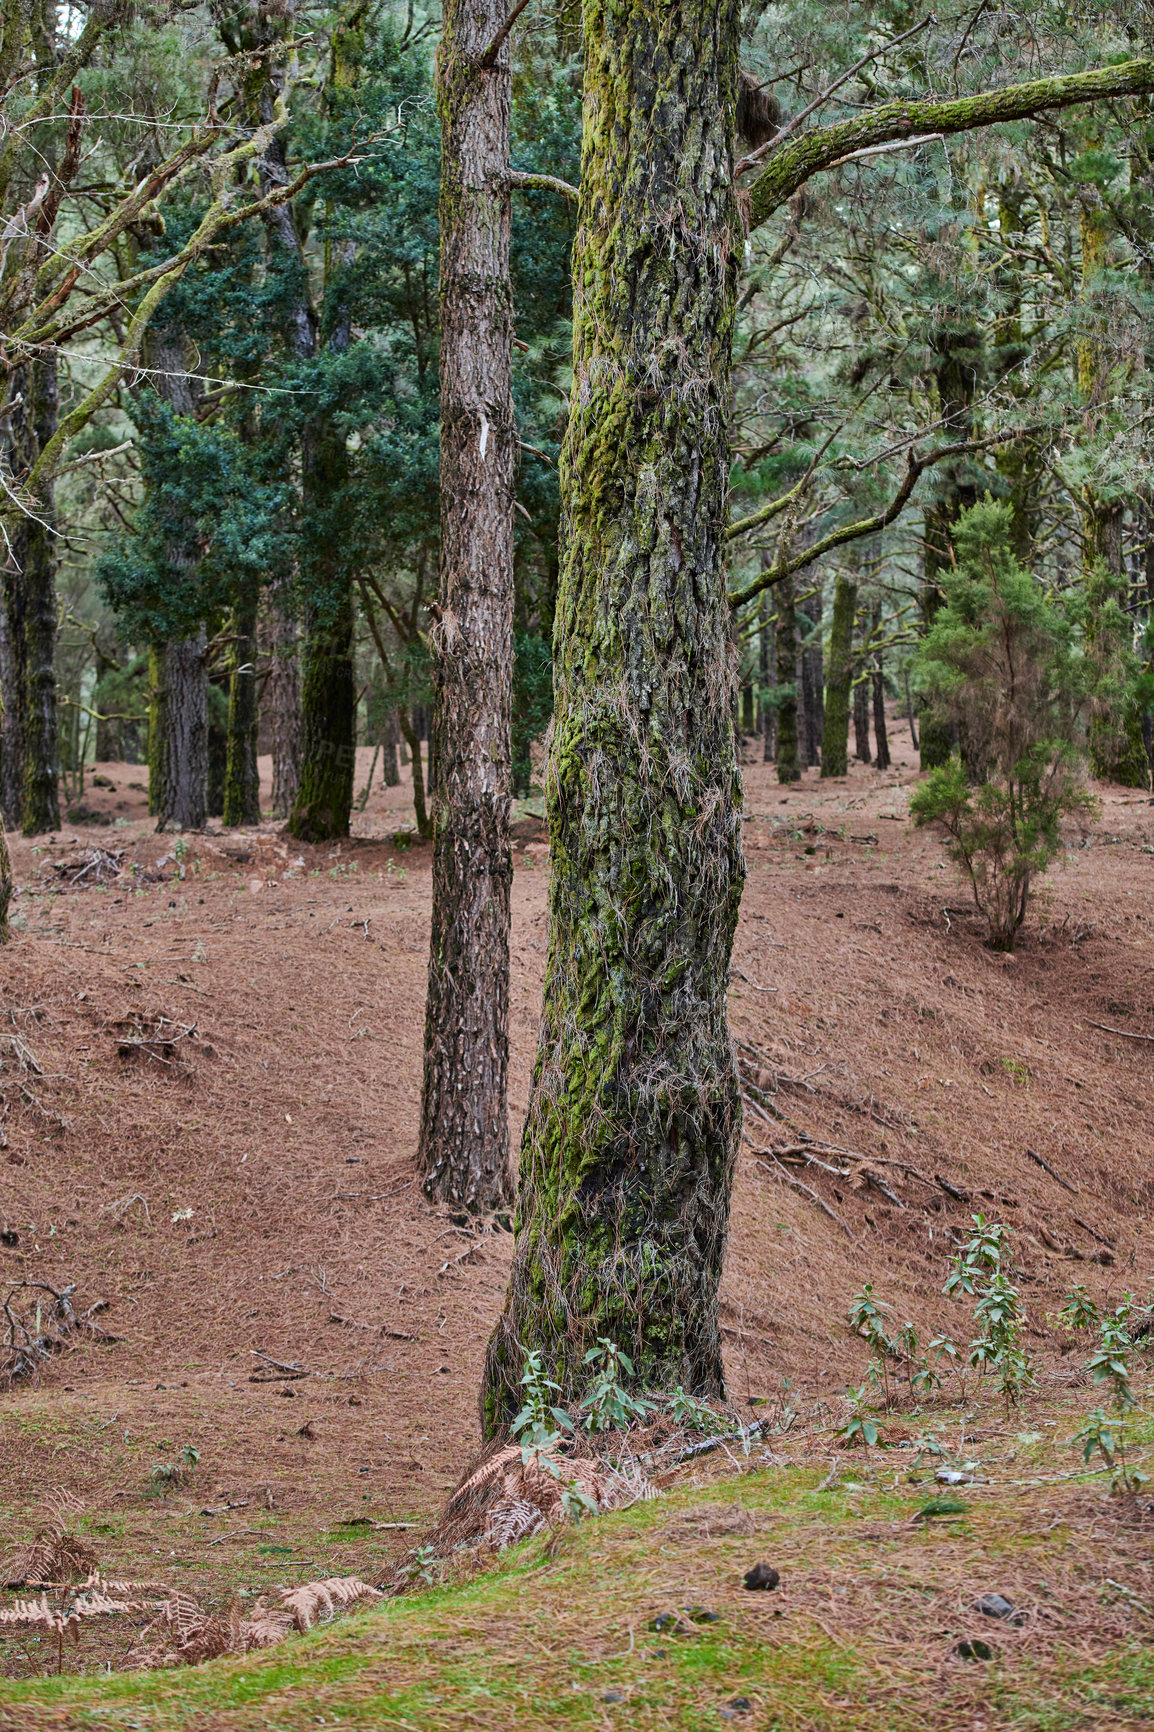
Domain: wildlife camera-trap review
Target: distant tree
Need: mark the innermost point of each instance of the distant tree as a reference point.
(1003, 663)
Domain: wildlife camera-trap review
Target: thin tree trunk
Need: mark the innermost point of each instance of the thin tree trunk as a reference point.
(38, 580)
(960, 361)
(910, 717)
(464, 1142)
(634, 1113)
(835, 734)
(768, 680)
(413, 741)
(11, 740)
(282, 707)
(881, 738)
(185, 793)
(861, 719)
(241, 776)
(788, 762)
(390, 769)
(157, 729)
(813, 683)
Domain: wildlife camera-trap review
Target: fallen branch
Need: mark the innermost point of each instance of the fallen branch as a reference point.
(797, 1185)
(1047, 1168)
(1123, 1032)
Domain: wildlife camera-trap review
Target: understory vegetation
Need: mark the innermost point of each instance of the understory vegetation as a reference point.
(540, 542)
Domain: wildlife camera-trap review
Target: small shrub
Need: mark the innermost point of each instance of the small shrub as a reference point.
(609, 1406)
(1002, 664)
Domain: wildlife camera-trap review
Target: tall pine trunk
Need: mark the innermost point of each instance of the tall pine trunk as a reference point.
(861, 718)
(634, 1113)
(788, 761)
(835, 735)
(282, 708)
(241, 777)
(464, 1140)
(324, 800)
(184, 796)
(32, 769)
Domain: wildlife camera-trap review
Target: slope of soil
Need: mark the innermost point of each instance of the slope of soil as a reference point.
(236, 1179)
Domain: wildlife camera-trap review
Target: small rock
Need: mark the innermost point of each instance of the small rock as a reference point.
(699, 1615)
(613, 1696)
(974, 1650)
(741, 1704)
(997, 1606)
(953, 1476)
(762, 1576)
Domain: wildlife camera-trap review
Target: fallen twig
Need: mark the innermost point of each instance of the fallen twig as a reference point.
(1047, 1168)
(797, 1185)
(1124, 1032)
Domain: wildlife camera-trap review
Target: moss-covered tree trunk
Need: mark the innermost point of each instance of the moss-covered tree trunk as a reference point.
(861, 718)
(788, 760)
(282, 707)
(241, 777)
(324, 799)
(835, 735)
(32, 769)
(960, 362)
(464, 1139)
(634, 1112)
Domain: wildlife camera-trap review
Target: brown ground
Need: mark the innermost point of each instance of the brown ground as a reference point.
(285, 1121)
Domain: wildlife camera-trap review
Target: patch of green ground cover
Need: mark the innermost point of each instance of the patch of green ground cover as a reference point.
(556, 1633)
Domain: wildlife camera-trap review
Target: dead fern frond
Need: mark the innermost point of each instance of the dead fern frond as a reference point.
(55, 1556)
(317, 1600)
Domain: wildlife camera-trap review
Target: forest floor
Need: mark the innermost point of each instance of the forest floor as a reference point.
(210, 1070)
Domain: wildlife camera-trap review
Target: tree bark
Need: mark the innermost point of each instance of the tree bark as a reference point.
(768, 671)
(282, 706)
(157, 729)
(32, 767)
(812, 680)
(413, 740)
(881, 737)
(861, 719)
(184, 803)
(241, 776)
(634, 1112)
(835, 735)
(788, 761)
(464, 1141)
(324, 801)
(390, 735)
(11, 738)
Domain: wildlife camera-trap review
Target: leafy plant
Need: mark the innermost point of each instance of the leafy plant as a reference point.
(860, 1430)
(1079, 1310)
(609, 1406)
(695, 1415)
(540, 1421)
(167, 1475)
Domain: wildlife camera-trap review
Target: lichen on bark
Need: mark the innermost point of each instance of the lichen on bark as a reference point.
(634, 1113)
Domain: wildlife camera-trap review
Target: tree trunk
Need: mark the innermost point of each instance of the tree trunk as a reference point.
(464, 1141)
(788, 762)
(390, 734)
(634, 1112)
(185, 788)
(959, 366)
(11, 743)
(812, 682)
(861, 719)
(881, 738)
(241, 776)
(1117, 750)
(282, 707)
(41, 756)
(324, 801)
(217, 746)
(413, 740)
(835, 734)
(32, 768)
(768, 669)
(157, 729)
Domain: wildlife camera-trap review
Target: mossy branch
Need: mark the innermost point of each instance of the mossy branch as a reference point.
(789, 168)
(915, 467)
(542, 183)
